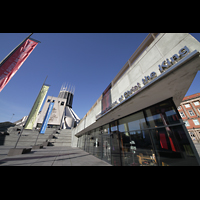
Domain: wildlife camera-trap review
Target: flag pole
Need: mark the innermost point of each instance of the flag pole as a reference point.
(8, 56)
(28, 116)
(39, 131)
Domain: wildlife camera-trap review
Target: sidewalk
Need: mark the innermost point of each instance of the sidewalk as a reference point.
(51, 156)
(197, 145)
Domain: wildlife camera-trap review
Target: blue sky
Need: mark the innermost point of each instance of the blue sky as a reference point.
(89, 61)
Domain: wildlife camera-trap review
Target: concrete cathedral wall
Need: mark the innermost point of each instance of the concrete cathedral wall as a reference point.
(164, 46)
(56, 113)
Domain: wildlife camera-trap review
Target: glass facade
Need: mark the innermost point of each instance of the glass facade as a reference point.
(151, 137)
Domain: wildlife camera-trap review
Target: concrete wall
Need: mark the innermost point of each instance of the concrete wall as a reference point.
(164, 46)
(57, 111)
(85, 122)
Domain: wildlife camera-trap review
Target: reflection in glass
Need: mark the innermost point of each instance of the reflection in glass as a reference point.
(97, 143)
(162, 114)
(115, 150)
(172, 147)
(132, 122)
(151, 137)
(106, 154)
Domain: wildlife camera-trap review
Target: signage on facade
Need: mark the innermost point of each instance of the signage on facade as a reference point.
(166, 64)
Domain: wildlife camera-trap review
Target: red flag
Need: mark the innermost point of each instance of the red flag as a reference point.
(14, 62)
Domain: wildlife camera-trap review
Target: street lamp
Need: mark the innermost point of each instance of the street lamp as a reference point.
(12, 117)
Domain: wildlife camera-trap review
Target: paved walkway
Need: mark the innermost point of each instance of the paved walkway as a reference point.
(197, 145)
(51, 156)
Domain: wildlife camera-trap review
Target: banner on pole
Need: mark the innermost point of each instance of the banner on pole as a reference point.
(36, 107)
(46, 119)
(14, 62)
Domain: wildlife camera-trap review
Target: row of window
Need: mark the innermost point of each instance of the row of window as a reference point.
(196, 103)
(151, 137)
(190, 112)
(196, 122)
(62, 103)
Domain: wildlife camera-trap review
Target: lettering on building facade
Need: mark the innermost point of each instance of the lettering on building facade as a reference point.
(166, 64)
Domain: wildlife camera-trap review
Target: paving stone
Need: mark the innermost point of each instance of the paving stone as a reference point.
(51, 156)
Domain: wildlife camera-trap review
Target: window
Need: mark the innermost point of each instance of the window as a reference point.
(131, 140)
(198, 109)
(187, 123)
(196, 122)
(48, 100)
(182, 114)
(179, 107)
(62, 103)
(115, 150)
(196, 103)
(187, 105)
(106, 99)
(133, 122)
(106, 154)
(191, 113)
(162, 114)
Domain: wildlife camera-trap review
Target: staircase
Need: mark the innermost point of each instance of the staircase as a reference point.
(27, 139)
(61, 138)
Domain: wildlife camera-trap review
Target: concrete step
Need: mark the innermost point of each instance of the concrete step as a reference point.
(27, 138)
(61, 144)
(63, 138)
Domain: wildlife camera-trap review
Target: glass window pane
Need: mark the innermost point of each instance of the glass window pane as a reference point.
(172, 147)
(106, 130)
(79, 142)
(106, 142)
(187, 105)
(162, 114)
(83, 142)
(106, 155)
(142, 149)
(182, 114)
(196, 122)
(87, 142)
(153, 118)
(97, 143)
(92, 142)
(187, 123)
(132, 122)
(191, 113)
(113, 126)
(115, 150)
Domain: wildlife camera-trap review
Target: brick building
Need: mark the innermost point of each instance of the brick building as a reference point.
(189, 110)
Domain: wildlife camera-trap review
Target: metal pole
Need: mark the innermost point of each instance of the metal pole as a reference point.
(19, 137)
(33, 104)
(43, 122)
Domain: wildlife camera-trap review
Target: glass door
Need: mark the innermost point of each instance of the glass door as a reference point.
(98, 143)
(115, 149)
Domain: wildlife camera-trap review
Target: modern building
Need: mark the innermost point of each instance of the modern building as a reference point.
(189, 110)
(135, 120)
(62, 116)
